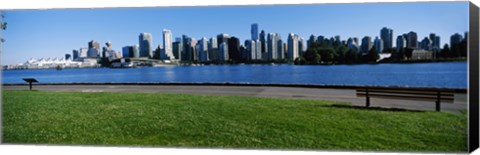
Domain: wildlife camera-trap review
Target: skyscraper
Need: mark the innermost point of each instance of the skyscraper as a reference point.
(254, 31)
(401, 43)
(366, 44)
(127, 51)
(455, 39)
(93, 49)
(272, 46)
(167, 52)
(75, 54)
(435, 42)
(203, 49)
(293, 46)
(280, 49)
(378, 43)
(310, 41)
(145, 42)
(301, 45)
(258, 50)
(234, 49)
(386, 35)
(223, 51)
(213, 49)
(263, 41)
(412, 40)
(426, 44)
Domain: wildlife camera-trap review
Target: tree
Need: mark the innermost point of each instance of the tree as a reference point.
(3, 26)
(327, 54)
(446, 51)
(351, 56)
(408, 52)
(341, 53)
(372, 55)
(311, 56)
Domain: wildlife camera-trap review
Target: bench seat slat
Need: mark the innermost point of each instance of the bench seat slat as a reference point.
(407, 95)
(408, 98)
(444, 93)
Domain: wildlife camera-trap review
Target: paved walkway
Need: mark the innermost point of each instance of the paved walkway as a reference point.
(341, 95)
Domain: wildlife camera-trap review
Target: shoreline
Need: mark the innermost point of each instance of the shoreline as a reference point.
(319, 86)
(272, 63)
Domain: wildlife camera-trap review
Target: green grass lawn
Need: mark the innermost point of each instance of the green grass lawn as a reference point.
(176, 120)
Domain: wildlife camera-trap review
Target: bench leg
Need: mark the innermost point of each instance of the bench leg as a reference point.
(367, 102)
(437, 105)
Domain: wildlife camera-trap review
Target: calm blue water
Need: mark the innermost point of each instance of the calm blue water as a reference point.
(444, 75)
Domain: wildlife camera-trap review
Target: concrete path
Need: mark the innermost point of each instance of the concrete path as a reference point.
(341, 95)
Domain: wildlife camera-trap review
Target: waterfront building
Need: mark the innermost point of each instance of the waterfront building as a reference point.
(455, 39)
(252, 48)
(436, 47)
(420, 54)
(203, 49)
(412, 41)
(280, 48)
(83, 53)
(68, 56)
(378, 43)
(145, 42)
(234, 49)
(213, 49)
(366, 44)
(293, 51)
(263, 42)
(223, 52)
(301, 46)
(167, 52)
(127, 51)
(401, 43)
(311, 40)
(351, 44)
(272, 46)
(75, 54)
(136, 51)
(386, 35)
(93, 49)
(176, 50)
(254, 31)
(426, 44)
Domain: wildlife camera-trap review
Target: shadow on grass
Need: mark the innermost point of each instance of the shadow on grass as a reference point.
(370, 108)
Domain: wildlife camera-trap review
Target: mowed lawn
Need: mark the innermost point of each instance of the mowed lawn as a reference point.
(178, 120)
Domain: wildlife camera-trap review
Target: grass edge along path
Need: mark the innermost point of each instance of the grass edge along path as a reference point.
(202, 121)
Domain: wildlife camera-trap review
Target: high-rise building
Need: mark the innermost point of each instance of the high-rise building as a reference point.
(127, 51)
(412, 40)
(223, 51)
(145, 42)
(386, 35)
(68, 56)
(258, 50)
(167, 52)
(263, 41)
(234, 49)
(93, 49)
(426, 44)
(378, 43)
(351, 44)
(301, 45)
(251, 48)
(213, 49)
(75, 54)
(83, 52)
(176, 50)
(435, 42)
(254, 31)
(311, 40)
(293, 51)
(366, 44)
(272, 46)
(455, 39)
(280, 49)
(203, 49)
(401, 43)
(136, 51)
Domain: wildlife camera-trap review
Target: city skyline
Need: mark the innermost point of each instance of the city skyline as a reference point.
(454, 20)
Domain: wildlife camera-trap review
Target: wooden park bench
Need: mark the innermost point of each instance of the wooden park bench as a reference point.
(417, 94)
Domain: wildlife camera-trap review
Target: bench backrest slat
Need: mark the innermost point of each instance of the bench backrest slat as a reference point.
(410, 94)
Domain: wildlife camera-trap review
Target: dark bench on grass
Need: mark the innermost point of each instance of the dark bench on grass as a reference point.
(417, 94)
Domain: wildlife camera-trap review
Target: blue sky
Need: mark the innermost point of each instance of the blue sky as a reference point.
(53, 33)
